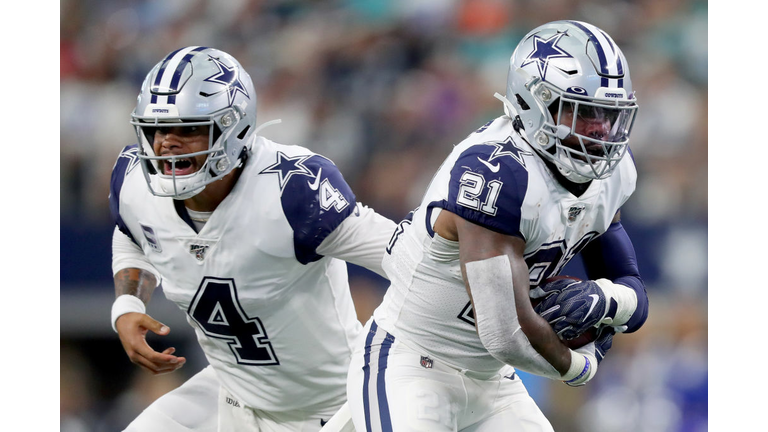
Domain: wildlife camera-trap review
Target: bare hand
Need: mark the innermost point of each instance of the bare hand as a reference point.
(132, 329)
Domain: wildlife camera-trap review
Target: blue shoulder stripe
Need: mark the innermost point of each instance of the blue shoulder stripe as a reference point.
(488, 185)
(125, 163)
(315, 204)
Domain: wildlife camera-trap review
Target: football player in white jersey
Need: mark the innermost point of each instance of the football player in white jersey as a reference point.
(508, 208)
(248, 237)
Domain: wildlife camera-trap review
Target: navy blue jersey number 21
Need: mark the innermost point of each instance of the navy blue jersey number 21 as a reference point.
(218, 312)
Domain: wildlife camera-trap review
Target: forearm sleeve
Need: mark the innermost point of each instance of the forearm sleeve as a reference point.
(500, 332)
(361, 239)
(126, 254)
(612, 256)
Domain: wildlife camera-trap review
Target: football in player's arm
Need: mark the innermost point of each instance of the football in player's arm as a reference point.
(505, 212)
(248, 237)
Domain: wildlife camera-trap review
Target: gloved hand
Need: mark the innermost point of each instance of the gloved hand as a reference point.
(571, 306)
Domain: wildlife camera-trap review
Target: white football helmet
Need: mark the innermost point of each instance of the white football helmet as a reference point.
(562, 76)
(195, 86)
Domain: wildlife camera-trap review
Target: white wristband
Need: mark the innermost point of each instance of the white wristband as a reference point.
(578, 364)
(626, 300)
(124, 304)
(583, 366)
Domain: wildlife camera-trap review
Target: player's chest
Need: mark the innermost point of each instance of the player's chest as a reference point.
(224, 249)
(566, 220)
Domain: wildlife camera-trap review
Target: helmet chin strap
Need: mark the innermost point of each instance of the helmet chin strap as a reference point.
(571, 175)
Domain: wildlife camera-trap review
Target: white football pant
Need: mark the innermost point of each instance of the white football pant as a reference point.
(392, 387)
(202, 405)
(192, 406)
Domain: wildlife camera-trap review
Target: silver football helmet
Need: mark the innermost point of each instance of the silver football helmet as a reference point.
(569, 84)
(195, 86)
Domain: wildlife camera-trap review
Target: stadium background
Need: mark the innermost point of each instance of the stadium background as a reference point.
(384, 89)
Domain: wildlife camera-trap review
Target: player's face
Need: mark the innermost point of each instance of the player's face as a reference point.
(591, 122)
(180, 140)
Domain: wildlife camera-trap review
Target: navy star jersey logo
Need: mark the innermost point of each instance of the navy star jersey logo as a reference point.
(508, 148)
(543, 51)
(229, 77)
(132, 154)
(287, 166)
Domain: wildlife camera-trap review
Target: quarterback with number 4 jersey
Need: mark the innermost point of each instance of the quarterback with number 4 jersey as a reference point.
(508, 208)
(248, 237)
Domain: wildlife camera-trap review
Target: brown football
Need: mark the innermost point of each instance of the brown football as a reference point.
(583, 339)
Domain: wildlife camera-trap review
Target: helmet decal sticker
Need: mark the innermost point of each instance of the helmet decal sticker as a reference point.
(544, 50)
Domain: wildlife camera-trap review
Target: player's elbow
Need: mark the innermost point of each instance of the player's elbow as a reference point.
(640, 315)
(505, 347)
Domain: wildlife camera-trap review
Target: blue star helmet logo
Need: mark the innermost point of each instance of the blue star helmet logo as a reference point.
(229, 77)
(545, 50)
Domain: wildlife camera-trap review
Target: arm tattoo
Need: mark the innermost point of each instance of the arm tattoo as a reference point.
(136, 282)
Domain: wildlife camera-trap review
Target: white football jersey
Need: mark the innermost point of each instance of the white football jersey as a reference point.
(274, 318)
(493, 179)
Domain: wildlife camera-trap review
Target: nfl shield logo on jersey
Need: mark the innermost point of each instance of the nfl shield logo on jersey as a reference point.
(426, 362)
(198, 251)
(574, 212)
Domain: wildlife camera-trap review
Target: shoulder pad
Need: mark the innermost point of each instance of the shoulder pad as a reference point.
(488, 185)
(126, 162)
(316, 199)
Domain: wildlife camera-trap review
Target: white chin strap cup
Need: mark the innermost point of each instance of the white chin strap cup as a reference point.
(563, 131)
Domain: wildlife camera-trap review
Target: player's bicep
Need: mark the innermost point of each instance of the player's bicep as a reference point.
(127, 254)
(361, 239)
(477, 244)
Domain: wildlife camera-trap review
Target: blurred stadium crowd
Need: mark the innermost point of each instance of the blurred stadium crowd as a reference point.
(384, 88)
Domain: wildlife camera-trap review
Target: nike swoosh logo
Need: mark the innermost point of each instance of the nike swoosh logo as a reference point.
(316, 184)
(493, 168)
(595, 299)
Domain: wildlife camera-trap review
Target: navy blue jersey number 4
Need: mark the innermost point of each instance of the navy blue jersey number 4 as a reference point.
(218, 312)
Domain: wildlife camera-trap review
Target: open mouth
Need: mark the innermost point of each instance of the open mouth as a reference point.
(595, 150)
(182, 167)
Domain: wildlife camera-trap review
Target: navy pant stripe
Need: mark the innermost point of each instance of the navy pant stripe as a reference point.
(367, 376)
(381, 389)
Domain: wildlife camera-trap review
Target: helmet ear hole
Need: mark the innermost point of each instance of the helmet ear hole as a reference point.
(245, 130)
(521, 102)
(554, 108)
(216, 132)
(149, 134)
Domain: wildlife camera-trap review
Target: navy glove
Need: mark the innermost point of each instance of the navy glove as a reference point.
(571, 306)
(603, 342)
(552, 286)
